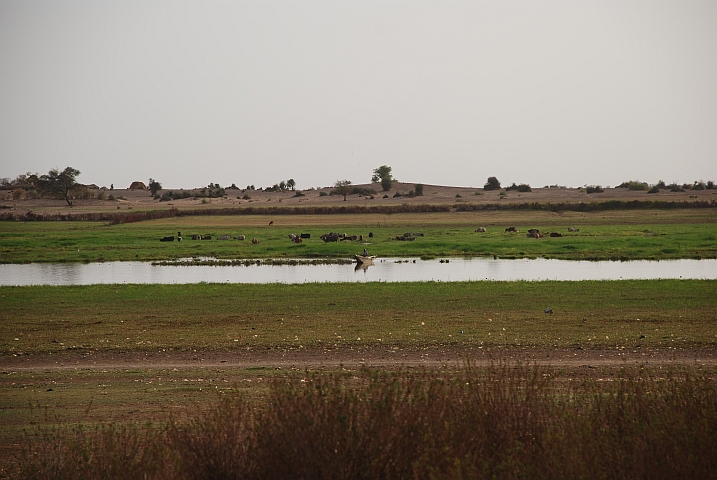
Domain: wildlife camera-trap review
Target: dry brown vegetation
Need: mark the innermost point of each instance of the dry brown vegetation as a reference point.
(497, 422)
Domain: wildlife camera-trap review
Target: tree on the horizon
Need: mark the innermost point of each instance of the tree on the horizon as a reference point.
(154, 186)
(59, 184)
(342, 186)
(492, 184)
(290, 184)
(383, 174)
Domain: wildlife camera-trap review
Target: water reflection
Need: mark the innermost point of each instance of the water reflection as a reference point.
(382, 270)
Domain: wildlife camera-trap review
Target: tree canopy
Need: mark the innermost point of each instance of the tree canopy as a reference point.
(58, 184)
(381, 173)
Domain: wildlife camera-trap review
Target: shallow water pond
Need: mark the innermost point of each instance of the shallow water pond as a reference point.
(383, 270)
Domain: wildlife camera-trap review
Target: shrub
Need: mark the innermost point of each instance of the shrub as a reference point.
(172, 195)
(397, 194)
(419, 189)
(698, 186)
(634, 185)
(458, 195)
(492, 184)
(638, 186)
(246, 197)
(523, 187)
(654, 189)
(362, 191)
(710, 185)
(675, 188)
(322, 194)
(299, 194)
(594, 189)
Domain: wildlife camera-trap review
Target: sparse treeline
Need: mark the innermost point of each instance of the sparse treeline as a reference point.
(63, 185)
(498, 422)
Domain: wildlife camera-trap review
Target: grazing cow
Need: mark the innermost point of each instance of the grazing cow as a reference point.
(573, 229)
(556, 234)
(297, 240)
(254, 241)
(330, 237)
(241, 237)
(271, 222)
(480, 230)
(292, 237)
(167, 239)
(305, 235)
(179, 236)
(206, 237)
(534, 233)
(360, 238)
(224, 237)
(548, 310)
(512, 229)
(370, 234)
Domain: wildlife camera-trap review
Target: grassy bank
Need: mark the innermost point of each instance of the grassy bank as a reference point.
(220, 317)
(499, 422)
(602, 236)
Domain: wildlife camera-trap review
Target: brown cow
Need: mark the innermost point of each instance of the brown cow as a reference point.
(254, 241)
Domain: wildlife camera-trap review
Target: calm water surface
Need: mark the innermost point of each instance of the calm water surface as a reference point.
(384, 270)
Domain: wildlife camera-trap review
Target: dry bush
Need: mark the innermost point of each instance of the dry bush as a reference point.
(500, 422)
(105, 452)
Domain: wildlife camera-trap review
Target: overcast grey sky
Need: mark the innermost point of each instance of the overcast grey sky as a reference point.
(445, 92)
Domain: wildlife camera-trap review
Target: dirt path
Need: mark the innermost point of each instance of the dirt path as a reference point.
(378, 358)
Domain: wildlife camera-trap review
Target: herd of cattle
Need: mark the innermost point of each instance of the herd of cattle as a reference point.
(206, 237)
(335, 237)
(532, 233)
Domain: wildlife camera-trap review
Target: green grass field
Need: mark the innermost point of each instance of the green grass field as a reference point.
(602, 236)
(122, 318)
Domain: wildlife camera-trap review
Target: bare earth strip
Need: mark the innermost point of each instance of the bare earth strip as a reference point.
(393, 357)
